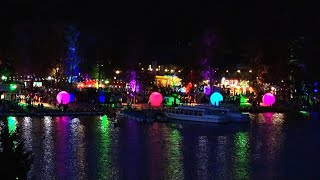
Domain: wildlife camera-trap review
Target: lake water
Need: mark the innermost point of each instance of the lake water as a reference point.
(273, 145)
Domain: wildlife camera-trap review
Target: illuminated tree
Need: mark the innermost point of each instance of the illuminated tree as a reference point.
(15, 162)
(258, 74)
(6, 69)
(72, 60)
(296, 75)
(207, 67)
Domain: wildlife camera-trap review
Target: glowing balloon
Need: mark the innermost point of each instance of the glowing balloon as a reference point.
(102, 98)
(155, 99)
(268, 99)
(63, 97)
(72, 97)
(215, 98)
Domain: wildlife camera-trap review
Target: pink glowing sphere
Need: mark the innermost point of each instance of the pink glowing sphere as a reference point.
(268, 99)
(63, 97)
(155, 99)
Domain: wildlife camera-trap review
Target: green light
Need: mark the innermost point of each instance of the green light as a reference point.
(104, 121)
(244, 101)
(304, 112)
(106, 81)
(241, 160)
(13, 87)
(4, 78)
(12, 125)
(170, 101)
(174, 155)
(104, 165)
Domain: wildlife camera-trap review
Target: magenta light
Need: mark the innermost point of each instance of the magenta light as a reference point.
(268, 99)
(155, 99)
(63, 97)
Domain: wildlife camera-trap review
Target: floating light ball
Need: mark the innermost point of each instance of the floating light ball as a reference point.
(102, 98)
(63, 97)
(268, 99)
(215, 98)
(72, 97)
(155, 99)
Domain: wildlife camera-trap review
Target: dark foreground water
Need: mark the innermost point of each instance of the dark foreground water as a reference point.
(272, 146)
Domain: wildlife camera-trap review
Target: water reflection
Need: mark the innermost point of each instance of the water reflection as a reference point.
(27, 133)
(267, 136)
(202, 154)
(48, 148)
(104, 149)
(78, 147)
(274, 135)
(12, 128)
(221, 158)
(155, 153)
(62, 148)
(241, 164)
(93, 148)
(12, 125)
(174, 168)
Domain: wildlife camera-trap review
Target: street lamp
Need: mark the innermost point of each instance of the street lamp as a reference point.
(117, 72)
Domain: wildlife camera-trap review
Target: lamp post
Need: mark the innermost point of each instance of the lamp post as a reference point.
(99, 73)
(57, 76)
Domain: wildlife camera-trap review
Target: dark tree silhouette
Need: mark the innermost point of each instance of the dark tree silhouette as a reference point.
(15, 163)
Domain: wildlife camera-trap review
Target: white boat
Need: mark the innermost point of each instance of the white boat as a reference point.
(192, 113)
(233, 114)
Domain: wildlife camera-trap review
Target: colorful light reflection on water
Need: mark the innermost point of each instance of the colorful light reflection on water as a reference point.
(12, 124)
(241, 165)
(174, 168)
(104, 149)
(94, 148)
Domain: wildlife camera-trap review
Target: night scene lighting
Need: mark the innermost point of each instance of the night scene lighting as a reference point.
(159, 90)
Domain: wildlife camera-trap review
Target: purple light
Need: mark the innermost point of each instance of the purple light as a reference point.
(207, 90)
(63, 97)
(268, 99)
(134, 86)
(155, 99)
(315, 90)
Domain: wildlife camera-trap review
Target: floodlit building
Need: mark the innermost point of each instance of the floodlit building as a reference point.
(167, 80)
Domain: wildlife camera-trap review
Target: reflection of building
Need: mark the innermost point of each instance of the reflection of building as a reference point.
(235, 86)
(168, 80)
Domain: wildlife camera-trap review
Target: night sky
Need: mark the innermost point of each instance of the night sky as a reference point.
(32, 33)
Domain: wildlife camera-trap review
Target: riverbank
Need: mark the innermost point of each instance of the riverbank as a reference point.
(52, 112)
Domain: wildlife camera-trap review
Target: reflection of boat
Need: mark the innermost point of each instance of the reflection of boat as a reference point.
(231, 113)
(120, 113)
(193, 113)
(137, 115)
